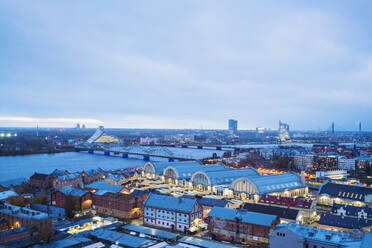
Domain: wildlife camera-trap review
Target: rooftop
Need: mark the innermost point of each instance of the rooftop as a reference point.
(204, 243)
(344, 191)
(68, 190)
(319, 234)
(25, 213)
(6, 194)
(169, 202)
(102, 185)
(151, 231)
(120, 238)
(244, 216)
(285, 213)
(343, 221)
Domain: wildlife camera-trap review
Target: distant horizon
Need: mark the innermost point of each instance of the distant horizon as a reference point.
(186, 64)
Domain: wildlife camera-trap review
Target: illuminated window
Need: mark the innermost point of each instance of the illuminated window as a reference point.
(339, 193)
(360, 197)
(347, 194)
(356, 196)
(343, 194)
(352, 194)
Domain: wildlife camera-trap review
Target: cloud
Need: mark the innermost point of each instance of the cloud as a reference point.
(156, 64)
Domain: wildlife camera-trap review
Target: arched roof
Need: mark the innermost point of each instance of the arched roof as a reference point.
(159, 167)
(226, 177)
(273, 183)
(185, 171)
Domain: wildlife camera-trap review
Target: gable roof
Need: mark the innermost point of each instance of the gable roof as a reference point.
(351, 210)
(68, 190)
(206, 201)
(343, 221)
(169, 202)
(39, 176)
(285, 213)
(243, 216)
(344, 191)
(103, 185)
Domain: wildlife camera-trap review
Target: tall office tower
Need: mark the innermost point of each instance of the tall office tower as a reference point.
(78, 126)
(333, 127)
(233, 127)
(84, 126)
(284, 132)
(360, 126)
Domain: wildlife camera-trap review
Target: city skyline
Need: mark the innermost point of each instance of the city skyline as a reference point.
(186, 65)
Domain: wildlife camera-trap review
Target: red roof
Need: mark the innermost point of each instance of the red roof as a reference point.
(286, 201)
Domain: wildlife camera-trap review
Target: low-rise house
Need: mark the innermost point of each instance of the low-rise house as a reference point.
(39, 180)
(92, 175)
(6, 194)
(241, 226)
(175, 213)
(294, 235)
(15, 234)
(103, 186)
(74, 180)
(116, 179)
(344, 223)
(285, 214)
(118, 205)
(208, 203)
(348, 210)
(21, 216)
(81, 198)
(344, 194)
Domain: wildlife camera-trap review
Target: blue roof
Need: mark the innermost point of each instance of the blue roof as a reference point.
(169, 202)
(151, 231)
(185, 170)
(226, 177)
(208, 201)
(70, 176)
(114, 177)
(67, 242)
(120, 238)
(53, 211)
(344, 191)
(244, 216)
(352, 210)
(102, 185)
(343, 221)
(204, 243)
(68, 190)
(160, 166)
(277, 182)
(138, 192)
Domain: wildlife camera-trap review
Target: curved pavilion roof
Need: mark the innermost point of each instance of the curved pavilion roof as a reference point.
(224, 177)
(272, 183)
(159, 167)
(186, 171)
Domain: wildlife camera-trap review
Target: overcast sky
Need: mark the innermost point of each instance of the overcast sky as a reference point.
(186, 64)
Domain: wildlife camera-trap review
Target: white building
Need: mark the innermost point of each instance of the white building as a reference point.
(345, 163)
(304, 162)
(175, 213)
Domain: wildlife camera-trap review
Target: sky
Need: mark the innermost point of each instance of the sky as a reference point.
(186, 64)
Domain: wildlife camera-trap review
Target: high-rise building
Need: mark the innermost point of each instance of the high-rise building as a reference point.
(233, 126)
(78, 126)
(284, 132)
(84, 126)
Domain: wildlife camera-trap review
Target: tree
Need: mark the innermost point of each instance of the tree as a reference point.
(17, 201)
(42, 198)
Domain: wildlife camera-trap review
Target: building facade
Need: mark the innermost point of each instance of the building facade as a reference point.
(174, 213)
(241, 226)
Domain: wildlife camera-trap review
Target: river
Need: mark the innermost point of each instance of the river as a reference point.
(14, 169)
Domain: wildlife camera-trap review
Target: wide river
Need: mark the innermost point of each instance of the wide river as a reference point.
(14, 169)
